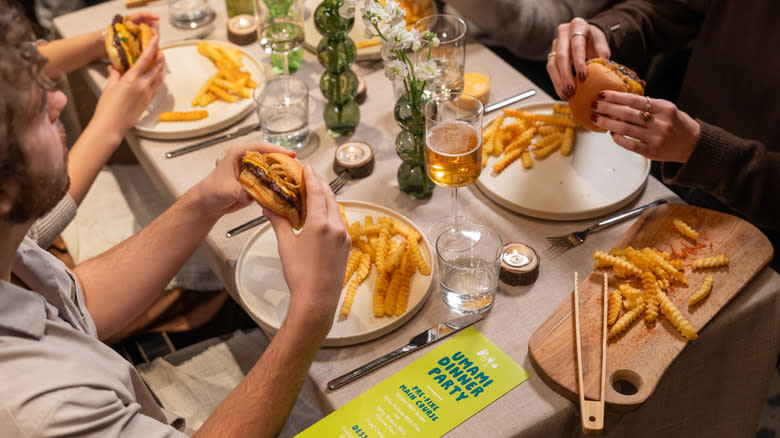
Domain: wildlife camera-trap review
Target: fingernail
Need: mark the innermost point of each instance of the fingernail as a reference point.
(601, 95)
(581, 75)
(569, 91)
(594, 105)
(594, 118)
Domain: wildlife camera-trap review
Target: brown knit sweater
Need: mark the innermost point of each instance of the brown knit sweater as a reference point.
(731, 86)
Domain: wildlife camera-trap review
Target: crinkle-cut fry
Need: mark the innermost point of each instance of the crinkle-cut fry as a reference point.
(663, 284)
(617, 262)
(678, 264)
(632, 295)
(598, 264)
(679, 276)
(394, 286)
(521, 141)
(343, 216)
(406, 231)
(395, 255)
(568, 141)
(702, 293)
(402, 299)
(545, 152)
(626, 320)
(548, 129)
(711, 262)
(613, 306)
(365, 247)
(352, 263)
(547, 140)
(526, 159)
(357, 230)
(497, 144)
(650, 289)
(485, 153)
(561, 108)
(676, 318)
(380, 294)
(417, 257)
(545, 119)
(360, 275)
(507, 159)
(685, 229)
(382, 245)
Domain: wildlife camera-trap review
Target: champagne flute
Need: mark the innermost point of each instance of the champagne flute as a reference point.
(453, 144)
(280, 27)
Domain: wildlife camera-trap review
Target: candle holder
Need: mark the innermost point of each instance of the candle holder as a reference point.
(339, 84)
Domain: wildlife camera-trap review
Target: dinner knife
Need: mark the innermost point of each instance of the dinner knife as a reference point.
(433, 334)
(230, 135)
(509, 101)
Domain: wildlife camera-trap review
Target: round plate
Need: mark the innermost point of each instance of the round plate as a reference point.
(186, 71)
(596, 178)
(261, 286)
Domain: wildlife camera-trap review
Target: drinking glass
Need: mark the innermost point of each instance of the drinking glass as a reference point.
(453, 143)
(283, 111)
(449, 56)
(469, 258)
(280, 27)
(190, 14)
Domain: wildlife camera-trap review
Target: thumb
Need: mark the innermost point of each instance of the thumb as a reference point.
(113, 76)
(282, 228)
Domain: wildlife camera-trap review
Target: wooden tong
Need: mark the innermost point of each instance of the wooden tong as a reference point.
(591, 411)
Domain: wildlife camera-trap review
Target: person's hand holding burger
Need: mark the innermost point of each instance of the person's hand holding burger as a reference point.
(606, 96)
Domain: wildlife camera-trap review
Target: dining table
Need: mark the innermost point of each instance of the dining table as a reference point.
(716, 386)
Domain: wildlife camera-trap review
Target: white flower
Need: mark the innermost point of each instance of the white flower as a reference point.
(398, 38)
(394, 14)
(417, 43)
(395, 70)
(426, 70)
(373, 13)
(431, 37)
(347, 8)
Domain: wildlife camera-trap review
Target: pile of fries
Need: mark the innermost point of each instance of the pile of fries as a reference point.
(393, 248)
(518, 134)
(230, 83)
(415, 10)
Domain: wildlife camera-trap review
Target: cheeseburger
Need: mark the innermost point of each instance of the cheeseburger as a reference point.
(125, 41)
(603, 74)
(276, 182)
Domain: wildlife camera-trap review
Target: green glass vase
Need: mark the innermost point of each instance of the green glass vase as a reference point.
(413, 180)
(336, 52)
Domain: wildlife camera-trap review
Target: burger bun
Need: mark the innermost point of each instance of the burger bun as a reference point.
(270, 200)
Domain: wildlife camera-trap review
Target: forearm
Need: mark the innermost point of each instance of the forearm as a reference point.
(89, 154)
(67, 55)
(119, 284)
(740, 172)
(261, 403)
(639, 29)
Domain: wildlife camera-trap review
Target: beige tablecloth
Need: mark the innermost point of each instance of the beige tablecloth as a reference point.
(715, 388)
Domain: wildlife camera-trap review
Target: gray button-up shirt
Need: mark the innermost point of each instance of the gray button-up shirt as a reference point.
(56, 377)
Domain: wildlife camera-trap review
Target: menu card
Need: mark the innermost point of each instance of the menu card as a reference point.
(430, 396)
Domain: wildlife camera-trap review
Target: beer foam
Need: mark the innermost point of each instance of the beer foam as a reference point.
(453, 138)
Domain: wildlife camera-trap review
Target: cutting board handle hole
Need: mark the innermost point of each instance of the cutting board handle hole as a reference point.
(626, 382)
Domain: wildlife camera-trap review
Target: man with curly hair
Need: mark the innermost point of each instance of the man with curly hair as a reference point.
(58, 378)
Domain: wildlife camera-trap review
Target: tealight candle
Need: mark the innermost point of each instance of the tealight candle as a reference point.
(356, 157)
(242, 29)
(519, 264)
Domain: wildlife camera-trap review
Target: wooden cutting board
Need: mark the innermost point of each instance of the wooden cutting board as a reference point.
(637, 359)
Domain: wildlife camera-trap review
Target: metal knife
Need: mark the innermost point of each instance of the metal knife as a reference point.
(433, 334)
(509, 101)
(237, 133)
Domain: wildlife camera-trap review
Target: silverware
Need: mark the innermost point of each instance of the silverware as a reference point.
(230, 135)
(509, 101)
(335, 185)
(433, 334)
(578, 237)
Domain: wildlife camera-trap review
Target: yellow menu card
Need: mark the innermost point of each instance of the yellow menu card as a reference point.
(429, 397)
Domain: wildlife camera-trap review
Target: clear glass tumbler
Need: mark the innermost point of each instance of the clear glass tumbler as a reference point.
(283, 111)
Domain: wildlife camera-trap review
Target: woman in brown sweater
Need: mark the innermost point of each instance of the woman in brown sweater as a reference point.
(723, 134)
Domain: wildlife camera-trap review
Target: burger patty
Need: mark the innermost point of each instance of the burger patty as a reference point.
(268, 182)
(118, 44)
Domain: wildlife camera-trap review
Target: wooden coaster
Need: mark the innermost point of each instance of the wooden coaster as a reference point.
(242, 29)
(356, 157)
(519, 264)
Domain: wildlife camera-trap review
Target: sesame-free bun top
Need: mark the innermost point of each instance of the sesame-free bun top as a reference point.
(276, 182)
(603, 74)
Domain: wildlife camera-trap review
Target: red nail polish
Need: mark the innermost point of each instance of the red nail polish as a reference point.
(581, 75)
(601, 95)
(594, 118)
(569, 90)
(594, 105)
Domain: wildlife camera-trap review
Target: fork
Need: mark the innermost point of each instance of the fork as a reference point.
(578, 237)
(341, 179)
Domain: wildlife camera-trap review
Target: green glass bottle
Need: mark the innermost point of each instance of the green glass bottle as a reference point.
(336, 52)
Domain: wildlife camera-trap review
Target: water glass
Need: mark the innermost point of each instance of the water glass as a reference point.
(283, 111)
(190, 14)
(449, 56)
(469, 257)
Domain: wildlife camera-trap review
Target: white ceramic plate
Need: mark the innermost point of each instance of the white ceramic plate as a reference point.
(598, 177)
(260, 282)
(185, 72)
(312, 37)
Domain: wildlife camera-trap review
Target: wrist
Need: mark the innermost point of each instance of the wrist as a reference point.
(314, 319)
(97, 49)
(103, 129)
